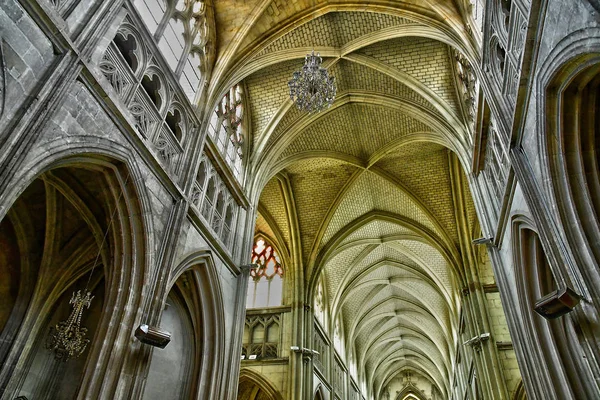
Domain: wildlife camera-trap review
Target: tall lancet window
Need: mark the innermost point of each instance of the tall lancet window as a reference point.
(227, 129)
(320, 305)
(338, 337)
(181, 31)
(477, 8)
(265, 288)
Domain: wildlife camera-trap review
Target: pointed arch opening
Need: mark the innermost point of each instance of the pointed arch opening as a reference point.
(254, 386)
(75, 227)
(265, 285)
(547, 342)
(194, 304)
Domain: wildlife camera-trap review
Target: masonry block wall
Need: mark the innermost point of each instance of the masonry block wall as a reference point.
(559, 37)
(108, 175)
(61, 113)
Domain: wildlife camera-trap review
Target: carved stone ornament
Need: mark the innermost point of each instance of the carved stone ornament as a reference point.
(2, 78)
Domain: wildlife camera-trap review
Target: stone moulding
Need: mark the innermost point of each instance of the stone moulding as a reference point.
(2, 78)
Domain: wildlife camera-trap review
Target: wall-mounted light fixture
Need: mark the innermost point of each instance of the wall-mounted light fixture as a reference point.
(483, 240)
(557, 303)
(476, 341)
(153, 336)
(304, 351)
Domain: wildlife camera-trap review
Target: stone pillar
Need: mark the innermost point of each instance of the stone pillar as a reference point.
(486, 359)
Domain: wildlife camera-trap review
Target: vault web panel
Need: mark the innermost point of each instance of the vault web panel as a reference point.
(433, 189)
(312, 179)
(334, 30)
(372, 192)
(425, 59)
(377, 229)
(267, 91)
(272, 199)
(336, 267)
(355, 129)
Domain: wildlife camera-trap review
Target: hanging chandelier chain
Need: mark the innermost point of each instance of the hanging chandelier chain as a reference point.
(110, 221)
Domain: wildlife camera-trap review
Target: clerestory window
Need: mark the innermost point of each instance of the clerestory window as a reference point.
(319, 305)
(338, 339)
(227, 130)
(180, 28)
(477, 13)
(265, 286)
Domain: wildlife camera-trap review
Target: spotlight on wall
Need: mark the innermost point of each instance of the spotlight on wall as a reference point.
(304, 350)
(483, 240)
(153, 336)
(477, 340)
(557, 303)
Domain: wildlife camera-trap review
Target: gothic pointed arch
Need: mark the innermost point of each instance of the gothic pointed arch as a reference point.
(255, 386)
(520, 393)
(198, 274)
(266, 281)
(85, 210)
(546, 342)
(410, 392)
(320, 393)
(175, 370)
(570, 144)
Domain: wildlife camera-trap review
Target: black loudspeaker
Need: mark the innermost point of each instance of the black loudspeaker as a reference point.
(557, 303)
(153, 336)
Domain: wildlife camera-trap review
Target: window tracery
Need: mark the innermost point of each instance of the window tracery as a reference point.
(504, 46)
(262, 335)
(320, 360)
(338, 336)
(214, 202)
(496, 164)
(319, 305)
(265, 286)
(339, 383)
(181, 31)
(227, 130)
(352, 365)
(477, 9)
(140, 83)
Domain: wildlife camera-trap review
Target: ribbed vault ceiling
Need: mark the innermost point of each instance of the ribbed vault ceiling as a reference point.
(364, 194)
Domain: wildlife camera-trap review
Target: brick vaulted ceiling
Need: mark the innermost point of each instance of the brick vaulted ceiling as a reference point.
(363, 194)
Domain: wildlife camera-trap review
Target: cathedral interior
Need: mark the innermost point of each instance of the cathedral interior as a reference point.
(300, 199)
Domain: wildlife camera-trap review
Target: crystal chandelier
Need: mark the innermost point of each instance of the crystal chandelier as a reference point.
(67, 338)
(312, 89)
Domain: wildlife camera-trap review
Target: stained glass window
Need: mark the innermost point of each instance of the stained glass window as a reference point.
(265, 286)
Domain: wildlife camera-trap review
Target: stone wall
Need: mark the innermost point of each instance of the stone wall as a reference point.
(559, 36)
(59, 108)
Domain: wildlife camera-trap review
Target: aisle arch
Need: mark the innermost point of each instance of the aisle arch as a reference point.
(250, 377)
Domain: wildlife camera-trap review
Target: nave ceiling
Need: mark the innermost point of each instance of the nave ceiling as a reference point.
(369, 195)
